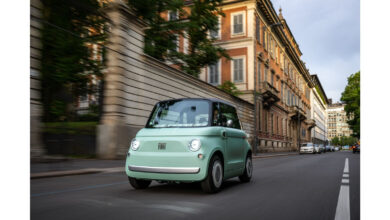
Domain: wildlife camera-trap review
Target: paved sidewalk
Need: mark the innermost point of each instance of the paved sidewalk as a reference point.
(88, 166)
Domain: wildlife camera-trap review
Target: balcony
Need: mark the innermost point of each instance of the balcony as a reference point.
(269, 93)
(311, 123)
(296, 112)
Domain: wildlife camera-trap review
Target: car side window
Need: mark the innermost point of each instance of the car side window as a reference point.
(229, 113)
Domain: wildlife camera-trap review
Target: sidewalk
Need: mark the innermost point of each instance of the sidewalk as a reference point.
(88, 166)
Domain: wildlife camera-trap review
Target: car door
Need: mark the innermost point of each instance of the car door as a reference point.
(235, 145)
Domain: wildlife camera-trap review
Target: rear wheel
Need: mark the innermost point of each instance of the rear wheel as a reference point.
(139, 184)
(247, 175)
(214, 178)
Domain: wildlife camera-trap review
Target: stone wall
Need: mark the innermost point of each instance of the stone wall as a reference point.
(135, 82)
(36, 146)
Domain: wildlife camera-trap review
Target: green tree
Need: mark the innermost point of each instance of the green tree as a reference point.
(230, 88)
(67, 64)
(161, 36)
(335, 141)
(351, 97)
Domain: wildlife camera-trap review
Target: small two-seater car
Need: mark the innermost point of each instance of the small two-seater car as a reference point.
(190, 140)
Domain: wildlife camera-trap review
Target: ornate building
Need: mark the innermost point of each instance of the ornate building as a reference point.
(319, 105)
(337, 121)
(266, 67)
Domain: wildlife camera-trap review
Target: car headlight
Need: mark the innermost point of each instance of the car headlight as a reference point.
(134, 144)
(194, 145)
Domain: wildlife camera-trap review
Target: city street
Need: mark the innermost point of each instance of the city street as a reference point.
(289, 187)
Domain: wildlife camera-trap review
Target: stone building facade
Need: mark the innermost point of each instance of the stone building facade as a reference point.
(337, 121)
(319, 105)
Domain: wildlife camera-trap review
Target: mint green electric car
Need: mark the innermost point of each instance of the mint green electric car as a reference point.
(190, 140)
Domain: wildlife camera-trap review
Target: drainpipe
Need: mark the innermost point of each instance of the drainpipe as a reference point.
(255, 97)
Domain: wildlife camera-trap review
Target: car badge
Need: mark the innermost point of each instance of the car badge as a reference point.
(161, 146)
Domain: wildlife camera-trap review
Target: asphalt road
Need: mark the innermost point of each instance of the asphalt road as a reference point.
(293, 187)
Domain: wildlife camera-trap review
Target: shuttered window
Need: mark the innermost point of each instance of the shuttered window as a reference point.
(257, 29)
(238, 70)
(238, 26)
(214, 73)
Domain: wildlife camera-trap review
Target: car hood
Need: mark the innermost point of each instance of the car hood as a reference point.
(202, 131)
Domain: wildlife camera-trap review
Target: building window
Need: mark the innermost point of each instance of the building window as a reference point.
(258, 71)
(281, 91)
(272, 78)
(216, 34)
(277, 125)
(266, 121)
(238, 69)
(238, 23)
(173, 15)
(258, 29)
(185, 43)
(175, 42)
(272, 123)
(214, 73)
(266, 74)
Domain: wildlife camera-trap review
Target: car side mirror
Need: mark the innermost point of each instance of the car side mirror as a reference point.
(229, 123)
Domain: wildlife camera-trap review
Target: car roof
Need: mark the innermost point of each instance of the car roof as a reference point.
(206, 99)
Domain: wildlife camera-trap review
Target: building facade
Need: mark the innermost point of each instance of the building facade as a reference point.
(337, 121)
(319, 104)
(266, 67)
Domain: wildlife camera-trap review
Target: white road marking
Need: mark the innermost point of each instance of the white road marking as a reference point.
(343, 209)
(346, 167)
(345, 175)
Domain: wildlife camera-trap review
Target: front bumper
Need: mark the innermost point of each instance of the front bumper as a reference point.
(176, 170)
(182, 167)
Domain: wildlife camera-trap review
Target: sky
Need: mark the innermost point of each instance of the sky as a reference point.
(328, 34)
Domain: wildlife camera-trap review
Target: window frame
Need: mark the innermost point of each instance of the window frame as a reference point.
(243, 57)
(243, 33)
(218, 63)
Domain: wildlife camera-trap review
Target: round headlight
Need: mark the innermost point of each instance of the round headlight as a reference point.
(134, 144)
(194, 145)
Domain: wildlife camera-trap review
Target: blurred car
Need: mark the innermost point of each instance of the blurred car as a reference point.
(307, 148)
(336, 149)
(322, 148)
(317, 148)
(356, 148)
(332, 148)
(327, 148)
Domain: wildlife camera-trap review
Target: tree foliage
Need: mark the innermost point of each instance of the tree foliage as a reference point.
(351, 97)
(69, 26)
(343, 140)
(194, 25)
(230, 88)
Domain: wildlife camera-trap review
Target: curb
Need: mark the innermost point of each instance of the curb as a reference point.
(75, 172)
(274, 155)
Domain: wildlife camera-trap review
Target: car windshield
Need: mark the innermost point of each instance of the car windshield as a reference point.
(309, 145)
(180, 113)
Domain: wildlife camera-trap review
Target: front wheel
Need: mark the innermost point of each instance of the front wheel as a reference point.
(247, 175)
(214, 178)
(139, 184)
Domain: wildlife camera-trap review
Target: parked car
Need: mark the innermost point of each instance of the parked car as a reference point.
(307, 148)
(356, 148)
(317, 148)
(336, 148)
(322, 148)
(190, 140)
(327, 148)
(332, 148)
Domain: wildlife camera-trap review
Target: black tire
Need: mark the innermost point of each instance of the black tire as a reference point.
(214, 178)
(139, 184)
(247, 175)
